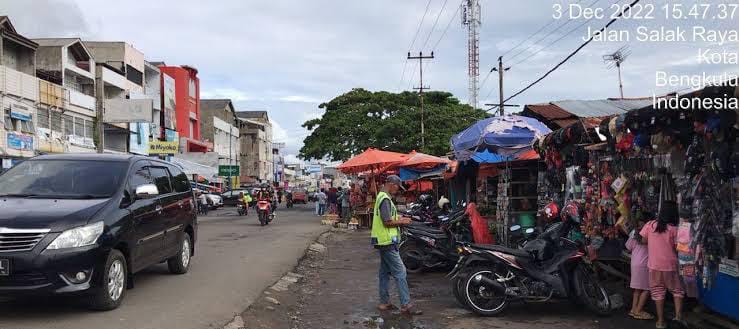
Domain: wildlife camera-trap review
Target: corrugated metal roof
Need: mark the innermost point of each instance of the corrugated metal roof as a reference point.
(214, 104)
(601, 108)
(549, 111)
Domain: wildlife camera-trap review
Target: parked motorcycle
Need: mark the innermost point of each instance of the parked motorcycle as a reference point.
(264, 212)
(424, 247)
(487, 278)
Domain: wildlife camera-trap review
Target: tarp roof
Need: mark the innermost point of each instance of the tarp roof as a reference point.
(601, 107)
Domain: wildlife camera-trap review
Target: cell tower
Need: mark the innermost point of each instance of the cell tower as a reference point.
(615, 60)
(471, 19)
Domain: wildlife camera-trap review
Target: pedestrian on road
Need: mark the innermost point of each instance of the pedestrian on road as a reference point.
(385, 237)
(661, 238)
(346, 209)
(339, 195)
(332, 200)
(322, 199)
(203, 203)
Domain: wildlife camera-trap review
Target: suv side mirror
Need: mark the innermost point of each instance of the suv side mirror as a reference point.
(146, 191)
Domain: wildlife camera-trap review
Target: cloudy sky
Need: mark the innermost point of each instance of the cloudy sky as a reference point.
(288, 56)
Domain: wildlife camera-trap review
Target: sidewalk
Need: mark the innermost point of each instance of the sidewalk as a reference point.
(339, 290)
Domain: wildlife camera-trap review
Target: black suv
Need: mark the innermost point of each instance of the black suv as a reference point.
(83, 224)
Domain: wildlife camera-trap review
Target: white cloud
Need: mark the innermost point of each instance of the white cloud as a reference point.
(299, 99)
(292, 158)
(230, 93)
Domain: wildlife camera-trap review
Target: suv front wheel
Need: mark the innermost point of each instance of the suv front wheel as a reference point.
(112, 289)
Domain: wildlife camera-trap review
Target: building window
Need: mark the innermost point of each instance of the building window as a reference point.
(192, 129)
(43, 118)
(13, 124)
(89, 129)
(79, 127)
(56, 121)
(192, 88)
(68, 125)
(134, 75)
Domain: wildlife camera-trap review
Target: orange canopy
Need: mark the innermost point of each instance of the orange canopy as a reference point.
(371, 159)
(423, 161)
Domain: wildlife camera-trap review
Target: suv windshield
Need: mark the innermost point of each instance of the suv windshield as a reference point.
(67, 179)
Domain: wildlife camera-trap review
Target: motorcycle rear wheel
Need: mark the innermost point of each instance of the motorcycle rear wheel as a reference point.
(412, 257)
(261, 218)
(591, 292)
(477, 297)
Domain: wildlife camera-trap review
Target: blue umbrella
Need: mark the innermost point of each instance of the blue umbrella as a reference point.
(505, 134)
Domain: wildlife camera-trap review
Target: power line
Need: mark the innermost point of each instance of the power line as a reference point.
(447, 25)
(402, 74)
(552, 21)
(433, 27)
(420, 25)
(572, 54)
(548, 34)
(557, 40)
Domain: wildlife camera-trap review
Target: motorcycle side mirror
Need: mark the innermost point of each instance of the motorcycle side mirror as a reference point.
(529, 230)
(515, 228)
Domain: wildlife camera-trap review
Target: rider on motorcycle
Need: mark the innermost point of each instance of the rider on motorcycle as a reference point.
(245, 200)
(265, 194)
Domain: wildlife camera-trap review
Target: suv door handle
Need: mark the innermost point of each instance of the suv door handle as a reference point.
(159, 209)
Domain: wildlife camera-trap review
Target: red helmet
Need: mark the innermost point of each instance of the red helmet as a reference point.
(551, 211)
(571, 212)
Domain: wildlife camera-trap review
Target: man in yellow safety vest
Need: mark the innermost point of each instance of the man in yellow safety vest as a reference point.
(386, 237)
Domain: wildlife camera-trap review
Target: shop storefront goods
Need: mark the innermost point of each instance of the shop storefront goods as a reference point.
(505, 135)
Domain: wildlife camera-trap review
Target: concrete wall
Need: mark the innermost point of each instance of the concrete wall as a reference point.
(49, 58)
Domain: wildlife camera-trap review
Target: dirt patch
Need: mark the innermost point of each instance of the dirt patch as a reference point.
(338, 289)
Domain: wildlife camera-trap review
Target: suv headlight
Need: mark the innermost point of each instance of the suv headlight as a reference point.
(78, 237)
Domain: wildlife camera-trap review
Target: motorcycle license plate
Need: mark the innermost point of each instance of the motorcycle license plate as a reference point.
(4, 267)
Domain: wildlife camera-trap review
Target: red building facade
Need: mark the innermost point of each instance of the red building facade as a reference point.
(187, 107)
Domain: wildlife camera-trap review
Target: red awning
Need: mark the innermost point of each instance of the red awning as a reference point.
(423, 161)
(371, 159)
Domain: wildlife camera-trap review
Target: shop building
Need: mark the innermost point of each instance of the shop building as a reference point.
(220, 126)
(256, 155)
(66, 113)
(125, 112)
(186, 104)
(19, 95)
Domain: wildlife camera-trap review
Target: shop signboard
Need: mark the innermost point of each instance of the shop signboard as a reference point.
(163, 147)
(228, 170)
(20, 142)
(170, 119)
(171, 135)
(313, 169)
(127, 110)
(729, 267)
(139, 138)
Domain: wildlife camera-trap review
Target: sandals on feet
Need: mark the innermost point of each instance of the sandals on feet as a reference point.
(641, 316)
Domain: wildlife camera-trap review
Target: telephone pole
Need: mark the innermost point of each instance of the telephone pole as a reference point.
(500, 71)
(420, 89)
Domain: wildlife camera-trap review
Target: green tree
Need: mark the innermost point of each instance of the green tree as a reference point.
(359, 119)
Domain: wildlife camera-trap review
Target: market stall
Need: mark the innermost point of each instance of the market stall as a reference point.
(624, 170)
(504, 182)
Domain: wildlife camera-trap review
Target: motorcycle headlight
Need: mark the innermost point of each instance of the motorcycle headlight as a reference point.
(78, 237)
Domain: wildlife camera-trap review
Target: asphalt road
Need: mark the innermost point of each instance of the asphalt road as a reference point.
(235, 260)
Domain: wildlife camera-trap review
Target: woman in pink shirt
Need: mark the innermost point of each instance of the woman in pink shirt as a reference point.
(660, 236)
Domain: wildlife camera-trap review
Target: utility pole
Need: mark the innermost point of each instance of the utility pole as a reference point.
(500, 70)
(420, 89)
(100, 102)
